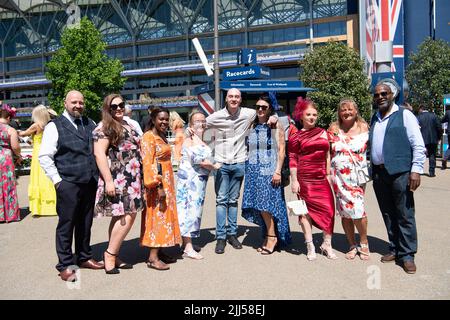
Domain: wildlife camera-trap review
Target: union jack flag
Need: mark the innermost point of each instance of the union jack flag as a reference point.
(384, 22)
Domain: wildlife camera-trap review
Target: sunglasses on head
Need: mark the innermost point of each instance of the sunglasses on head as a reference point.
(383, 94)
(263, 107)
(121, 105)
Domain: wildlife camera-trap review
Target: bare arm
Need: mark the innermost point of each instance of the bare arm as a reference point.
(33, 129)
(279, 136)
(14, 139)
(100, 148)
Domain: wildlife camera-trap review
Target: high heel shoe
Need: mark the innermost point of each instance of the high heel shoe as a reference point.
(327, 250)
(363, 255)
(114, 270)
(265, 251)
(311, 255)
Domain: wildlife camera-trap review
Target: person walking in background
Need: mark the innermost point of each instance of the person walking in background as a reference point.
(263, 200)
(119, 193)
(9, 153)
(67, 158)
(397, 156)
(131, 122)
(176, 125)
(195, 165)
(349, 140)
(160, 227)
(41, 191)
(446, 119)
(431, 130)
(309, 162)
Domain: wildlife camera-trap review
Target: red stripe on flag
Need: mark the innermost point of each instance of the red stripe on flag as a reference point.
(398, 51)
(385, 20)
(205, 105)
(393, 10)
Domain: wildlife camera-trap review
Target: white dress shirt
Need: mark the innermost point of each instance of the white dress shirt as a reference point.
(412, 131)
(49, 147)
(134, 124)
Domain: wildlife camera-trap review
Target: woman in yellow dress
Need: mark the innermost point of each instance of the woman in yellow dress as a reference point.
(41, 192)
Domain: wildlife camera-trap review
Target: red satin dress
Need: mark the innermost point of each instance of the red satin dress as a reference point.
(308, 154)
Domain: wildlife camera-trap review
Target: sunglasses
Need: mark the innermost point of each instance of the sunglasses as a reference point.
(383, 94)
(121, 105)
(257, 107)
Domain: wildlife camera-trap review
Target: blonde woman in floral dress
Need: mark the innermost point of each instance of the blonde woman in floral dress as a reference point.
(349, 139)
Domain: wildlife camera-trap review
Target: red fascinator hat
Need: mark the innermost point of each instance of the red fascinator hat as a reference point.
(11, 111)
(300, 107)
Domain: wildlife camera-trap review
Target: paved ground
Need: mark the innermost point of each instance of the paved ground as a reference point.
(27, 259)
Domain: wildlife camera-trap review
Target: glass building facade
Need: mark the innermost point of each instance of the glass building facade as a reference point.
(148, 35)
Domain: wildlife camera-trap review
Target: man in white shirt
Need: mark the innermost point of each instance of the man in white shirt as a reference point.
(131, 122)
(230, 126)
(66, 156)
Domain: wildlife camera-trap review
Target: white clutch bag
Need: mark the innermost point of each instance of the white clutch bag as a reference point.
(297, 207)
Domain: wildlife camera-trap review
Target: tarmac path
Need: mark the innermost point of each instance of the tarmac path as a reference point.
(28, 257)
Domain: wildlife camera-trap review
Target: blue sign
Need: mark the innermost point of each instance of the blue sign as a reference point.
(252, 72)
(246, 56)
(446, 100)
(264, 85)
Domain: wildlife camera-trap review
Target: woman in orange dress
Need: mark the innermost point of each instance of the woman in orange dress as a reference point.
(176, 124)
(160, 226)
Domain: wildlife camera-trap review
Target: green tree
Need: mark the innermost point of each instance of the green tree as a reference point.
(428, 74)
(336, 71)
(81, 64)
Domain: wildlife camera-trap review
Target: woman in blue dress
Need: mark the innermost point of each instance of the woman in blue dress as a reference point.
(193, 173)
(263, 201)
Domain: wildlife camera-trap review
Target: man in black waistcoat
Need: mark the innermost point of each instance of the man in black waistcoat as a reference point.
(67, 158)
(431, 130)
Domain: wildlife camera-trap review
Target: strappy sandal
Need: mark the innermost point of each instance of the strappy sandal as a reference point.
(265, 251)
(156, 264)
(351, 254)
(113, 270)
(192, 254)
(362, 254)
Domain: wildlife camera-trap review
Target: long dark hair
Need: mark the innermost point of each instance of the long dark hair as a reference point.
(112, 128)
(266, 98)
(151, 122)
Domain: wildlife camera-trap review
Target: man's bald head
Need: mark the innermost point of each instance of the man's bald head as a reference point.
(74, 103)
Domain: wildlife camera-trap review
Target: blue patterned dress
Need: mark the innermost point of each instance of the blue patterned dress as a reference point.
(191, 188)
(259, 193)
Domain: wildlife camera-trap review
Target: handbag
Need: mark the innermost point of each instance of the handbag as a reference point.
(362, 171)
(285, 174)
(297, 207)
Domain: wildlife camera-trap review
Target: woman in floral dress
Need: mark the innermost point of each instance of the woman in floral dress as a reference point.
(196, 163)
(9, 148)
(160, 226)
(349, 138)
(119, 193)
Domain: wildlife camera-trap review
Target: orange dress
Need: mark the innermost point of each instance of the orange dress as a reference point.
(159, 226)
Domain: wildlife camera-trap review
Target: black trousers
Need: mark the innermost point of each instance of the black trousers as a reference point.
(431, 153)
(75, 208)
(396, 204)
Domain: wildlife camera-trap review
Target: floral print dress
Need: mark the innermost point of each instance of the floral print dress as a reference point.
(9, 206)
(125, 165)
(191, 188)
(349, 195)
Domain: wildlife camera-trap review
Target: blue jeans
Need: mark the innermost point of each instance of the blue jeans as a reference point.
(396, 204)
(228, 181)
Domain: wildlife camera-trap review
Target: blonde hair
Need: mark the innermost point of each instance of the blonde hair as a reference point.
(343, 102)
(40, 115)
(175, 120)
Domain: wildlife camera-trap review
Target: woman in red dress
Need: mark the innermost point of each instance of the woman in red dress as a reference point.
(309, 163)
